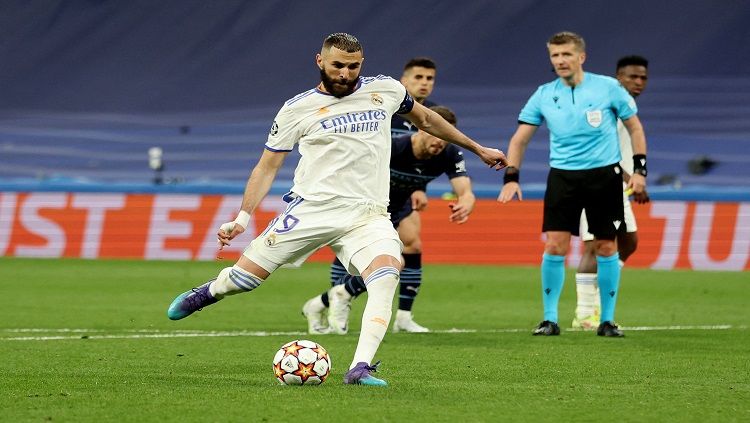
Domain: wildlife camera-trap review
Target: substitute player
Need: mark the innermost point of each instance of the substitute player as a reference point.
(340, 191)
(632, 72)
(416, 160)
(581, 110)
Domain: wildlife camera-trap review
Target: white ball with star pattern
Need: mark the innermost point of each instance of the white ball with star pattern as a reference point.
(301, 362)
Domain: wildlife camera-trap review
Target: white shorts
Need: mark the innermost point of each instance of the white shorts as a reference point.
(629, 220)
(357, 233)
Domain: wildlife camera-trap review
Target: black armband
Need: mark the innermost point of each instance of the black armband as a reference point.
(639, 164)
(511, 174)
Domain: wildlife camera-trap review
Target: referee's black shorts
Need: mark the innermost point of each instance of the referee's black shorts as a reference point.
(597, 190)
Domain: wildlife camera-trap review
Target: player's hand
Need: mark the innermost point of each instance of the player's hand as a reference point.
(418, 200)
(493, 157)
(228, 232)
(510, 190)
(459, 213)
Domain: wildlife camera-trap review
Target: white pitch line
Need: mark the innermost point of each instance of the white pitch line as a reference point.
(152, 333)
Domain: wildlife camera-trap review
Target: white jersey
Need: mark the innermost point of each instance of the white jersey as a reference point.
(345, 143)
(626, 148)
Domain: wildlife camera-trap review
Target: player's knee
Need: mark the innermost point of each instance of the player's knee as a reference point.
(555, 248)
(413, 246)
(605, 247)
(384, 260)
(381, 283)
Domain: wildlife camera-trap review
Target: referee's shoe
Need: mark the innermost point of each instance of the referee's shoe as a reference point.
(609, 329)
(547, 328)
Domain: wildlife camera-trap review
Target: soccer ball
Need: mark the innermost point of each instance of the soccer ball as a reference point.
(301, 362)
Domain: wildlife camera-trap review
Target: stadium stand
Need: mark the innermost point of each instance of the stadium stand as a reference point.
(88, 87)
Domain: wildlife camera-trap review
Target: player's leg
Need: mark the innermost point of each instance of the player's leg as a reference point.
(340, 298)
(244, 276)
(315, 309)
(562, 211)
(285, 240)
(627, 242)
(606, 221)
(608, 262)
(409, 230)
(553, 278)
(373, 249)
(329, 311)
(381, 278)
(587, 292)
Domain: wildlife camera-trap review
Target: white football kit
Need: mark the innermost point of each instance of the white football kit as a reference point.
(626, 163)
(341, 183)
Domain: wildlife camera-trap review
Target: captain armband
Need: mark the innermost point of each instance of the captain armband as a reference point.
(512, 174)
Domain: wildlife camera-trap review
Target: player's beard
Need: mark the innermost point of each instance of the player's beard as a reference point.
(337, 90)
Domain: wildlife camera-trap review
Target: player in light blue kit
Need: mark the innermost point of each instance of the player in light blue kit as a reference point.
(581, 110)
(340, 193)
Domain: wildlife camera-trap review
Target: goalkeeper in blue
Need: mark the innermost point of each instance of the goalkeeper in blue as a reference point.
(416, 159)
(581, 110)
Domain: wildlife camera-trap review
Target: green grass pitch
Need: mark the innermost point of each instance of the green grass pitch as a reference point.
(89, 341)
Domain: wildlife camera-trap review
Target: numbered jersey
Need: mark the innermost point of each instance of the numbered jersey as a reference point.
(344, 143)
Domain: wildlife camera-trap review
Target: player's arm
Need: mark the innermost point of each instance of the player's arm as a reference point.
(464, 205)
(432, 123)
(637, 182)
(256, 189)
(516, 150)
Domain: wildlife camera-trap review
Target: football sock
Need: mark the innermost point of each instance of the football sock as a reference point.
(411, 280)
(338, 271)
(553, 278)
(381, 286)
(354, 285)
(609, 282)
(586, 293)
(233, 280)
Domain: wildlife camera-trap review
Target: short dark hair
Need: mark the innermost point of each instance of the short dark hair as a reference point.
(632, 61)
(342, 41)
(446, 113)
(422, 62)
(566, 37)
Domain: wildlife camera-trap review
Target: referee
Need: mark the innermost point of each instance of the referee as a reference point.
(581, 110)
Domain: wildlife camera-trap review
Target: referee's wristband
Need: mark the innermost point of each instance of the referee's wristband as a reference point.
(639, 164)
(511, 175)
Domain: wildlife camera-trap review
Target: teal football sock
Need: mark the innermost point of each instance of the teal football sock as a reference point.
(609, 283)
(553, 278)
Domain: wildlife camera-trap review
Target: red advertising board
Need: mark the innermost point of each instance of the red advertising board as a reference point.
(673, 234)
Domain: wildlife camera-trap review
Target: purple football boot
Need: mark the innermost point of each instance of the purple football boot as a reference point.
(360, 375)
(191, 301)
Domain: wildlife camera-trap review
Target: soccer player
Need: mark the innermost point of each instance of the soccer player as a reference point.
(340, 191)
(632, 72)
(581, 110)
(419, 80)
(416, 160)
